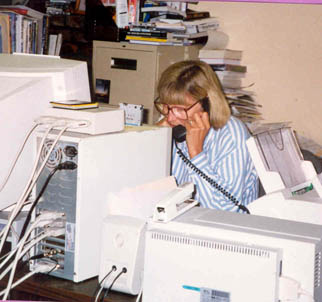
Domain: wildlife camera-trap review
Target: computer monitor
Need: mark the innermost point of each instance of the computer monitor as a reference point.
(27, 84)
(211, 255)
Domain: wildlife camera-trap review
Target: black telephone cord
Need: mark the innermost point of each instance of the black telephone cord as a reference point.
(210, 180)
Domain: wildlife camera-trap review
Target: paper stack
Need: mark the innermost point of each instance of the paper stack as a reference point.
(230, 72)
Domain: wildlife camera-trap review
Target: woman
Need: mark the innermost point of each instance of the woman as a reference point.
(214, 156)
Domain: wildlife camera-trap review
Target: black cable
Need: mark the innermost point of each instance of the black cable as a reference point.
(68, 165)
(210, 180)
(123, 271)
(100, 284)
(35, 257)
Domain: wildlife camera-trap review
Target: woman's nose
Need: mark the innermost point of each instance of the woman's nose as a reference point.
(171, 117)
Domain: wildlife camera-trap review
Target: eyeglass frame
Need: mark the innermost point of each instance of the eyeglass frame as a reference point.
(184, 109)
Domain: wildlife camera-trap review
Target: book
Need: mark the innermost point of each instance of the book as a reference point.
(52, 44)
(58, 44)
(192, 15)
(147, 33)
(5, 33)
(74, 105)
(170, 26)
(228, 67)
(134, 11)
(141, 38)
(163, 9)
(220, 54)
(167, 17)
(12, 23)
(220, 61)
(171, 43)
(37, 17)
(200, 25)
(228, 82)
(230, 74)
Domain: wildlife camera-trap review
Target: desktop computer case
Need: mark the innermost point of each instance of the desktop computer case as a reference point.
(105, 163)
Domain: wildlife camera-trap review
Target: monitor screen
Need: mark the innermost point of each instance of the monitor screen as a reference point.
(27, 84)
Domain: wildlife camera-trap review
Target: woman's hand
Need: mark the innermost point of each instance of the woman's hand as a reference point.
(197, 129)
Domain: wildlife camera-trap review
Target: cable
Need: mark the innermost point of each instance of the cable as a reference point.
(123, 271)
(22, 198)
(100, 286)
(34, 176)
(13, 251)
(39, 222)
(29, 246)
(138, 298)
(17, 156)
(20, 254)
(31, 182)
(42, 268)
(210, 180)
(68, 165)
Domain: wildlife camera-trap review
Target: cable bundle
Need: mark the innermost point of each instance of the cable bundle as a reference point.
(57, 226)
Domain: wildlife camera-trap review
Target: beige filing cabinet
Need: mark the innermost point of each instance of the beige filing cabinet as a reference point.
(130, 72)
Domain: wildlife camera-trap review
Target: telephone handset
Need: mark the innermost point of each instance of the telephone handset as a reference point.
(179, 132)
(179, 136)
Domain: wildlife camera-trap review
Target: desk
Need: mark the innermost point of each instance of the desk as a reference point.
(41, 287)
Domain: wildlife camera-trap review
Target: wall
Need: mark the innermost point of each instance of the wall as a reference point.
(282, 48)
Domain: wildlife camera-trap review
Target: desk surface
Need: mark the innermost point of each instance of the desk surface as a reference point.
(56, 289)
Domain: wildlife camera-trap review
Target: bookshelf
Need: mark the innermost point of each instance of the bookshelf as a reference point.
(75, 43)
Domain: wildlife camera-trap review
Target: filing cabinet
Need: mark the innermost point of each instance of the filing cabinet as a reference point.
(129, 73)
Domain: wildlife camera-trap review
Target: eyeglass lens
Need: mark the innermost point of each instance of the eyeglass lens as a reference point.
(177, 111)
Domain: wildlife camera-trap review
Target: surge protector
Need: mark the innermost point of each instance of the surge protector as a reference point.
(102, 120)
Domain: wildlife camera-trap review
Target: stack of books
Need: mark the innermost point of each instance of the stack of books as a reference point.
(23, 30)
(226, 64)
(230, 72)
(171, 24)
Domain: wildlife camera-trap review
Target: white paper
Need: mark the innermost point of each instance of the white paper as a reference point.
(216, 40)
(138, 201)
(122, 13)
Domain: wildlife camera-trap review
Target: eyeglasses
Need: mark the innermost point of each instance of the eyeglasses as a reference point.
(179, 112)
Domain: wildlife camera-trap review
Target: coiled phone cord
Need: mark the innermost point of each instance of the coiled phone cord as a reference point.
(210, 180)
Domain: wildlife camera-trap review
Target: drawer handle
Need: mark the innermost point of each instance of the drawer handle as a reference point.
(119, 63)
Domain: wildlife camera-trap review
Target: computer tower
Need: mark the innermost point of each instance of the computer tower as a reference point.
(105, 163)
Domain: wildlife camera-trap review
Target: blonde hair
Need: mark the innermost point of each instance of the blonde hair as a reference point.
(197, 79)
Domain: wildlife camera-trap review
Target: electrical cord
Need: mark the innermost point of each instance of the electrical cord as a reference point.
(41, 221)
(100, 286)
(64, 125)
(23, 252)
(31, 182)
(7, 257)
(5, 181)
(42, 268)
(138, 298)
(68, 165)
(20, 253)
(210, 180)
(123, 271)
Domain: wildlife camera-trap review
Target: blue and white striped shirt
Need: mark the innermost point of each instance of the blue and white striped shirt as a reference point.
(226, 160)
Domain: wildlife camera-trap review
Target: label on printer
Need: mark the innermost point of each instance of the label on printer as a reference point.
(211, 295)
